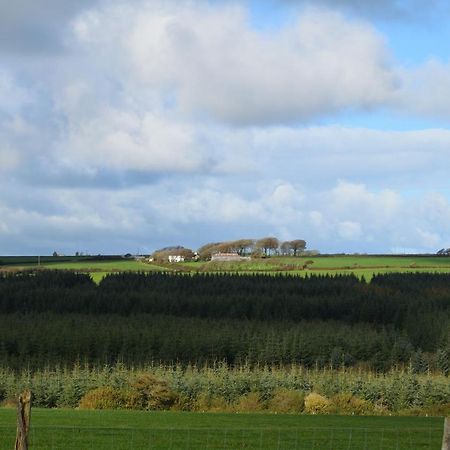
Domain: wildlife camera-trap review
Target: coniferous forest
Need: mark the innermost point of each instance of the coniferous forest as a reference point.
(60, 318)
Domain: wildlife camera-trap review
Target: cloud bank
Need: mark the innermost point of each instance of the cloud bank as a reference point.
(212, 63)
(163, 123)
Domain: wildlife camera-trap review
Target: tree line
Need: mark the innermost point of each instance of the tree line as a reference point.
(264, 247)
(36, 341)
(391, 299)
(51, 317)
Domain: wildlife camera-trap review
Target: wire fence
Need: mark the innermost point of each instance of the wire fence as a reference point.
(86, 438)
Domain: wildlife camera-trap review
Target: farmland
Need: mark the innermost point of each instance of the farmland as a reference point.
(95, 266)
(361, 265)
(87, 264)
(58, 429)
(291, 336)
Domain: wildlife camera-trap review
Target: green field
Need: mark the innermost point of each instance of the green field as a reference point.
(114, 265)
(76, 429)
(332, 262)
(97, 268)
(360, 265)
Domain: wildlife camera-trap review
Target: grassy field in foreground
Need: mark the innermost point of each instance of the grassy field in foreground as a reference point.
(77, 429)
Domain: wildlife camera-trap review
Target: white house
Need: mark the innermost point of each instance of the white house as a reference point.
(175, 258)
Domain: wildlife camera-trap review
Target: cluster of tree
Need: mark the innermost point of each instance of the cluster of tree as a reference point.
(294, 248)
(164, 253)
(266, 246)
(242, 247)
(443, 252)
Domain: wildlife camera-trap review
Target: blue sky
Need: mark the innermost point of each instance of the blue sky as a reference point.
(132, 125)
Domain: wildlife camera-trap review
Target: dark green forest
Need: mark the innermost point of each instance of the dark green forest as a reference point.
(58, 318)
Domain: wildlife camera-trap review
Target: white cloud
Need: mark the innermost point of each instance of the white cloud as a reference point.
(69, 221)
(351, 231)
(378, 157)
(211, 61)
(355, 200)
(193, 205)
(145, 107)
(139, 93)
(348, 217)
(428, 239)
(285, 194)
(128, 140)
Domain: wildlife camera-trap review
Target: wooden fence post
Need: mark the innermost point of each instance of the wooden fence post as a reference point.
(446, 438)
(23, 420)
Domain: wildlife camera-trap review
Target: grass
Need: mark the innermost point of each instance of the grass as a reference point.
(369, 273)
(360, 265)
(97, 268)
(78, 429)
(346, 261)
(33, 261)
(103, 266)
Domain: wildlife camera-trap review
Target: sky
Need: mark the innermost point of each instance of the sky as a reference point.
(131, 125)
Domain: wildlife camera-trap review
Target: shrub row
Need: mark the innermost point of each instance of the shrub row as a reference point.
(291, 389)
(148, 393)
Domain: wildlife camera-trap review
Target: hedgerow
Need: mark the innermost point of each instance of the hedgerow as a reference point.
(272, 388)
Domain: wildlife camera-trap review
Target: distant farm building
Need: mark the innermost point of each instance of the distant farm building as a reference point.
(228, 257)
(175, 258)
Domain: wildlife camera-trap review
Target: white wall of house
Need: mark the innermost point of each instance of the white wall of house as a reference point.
(176, 258)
